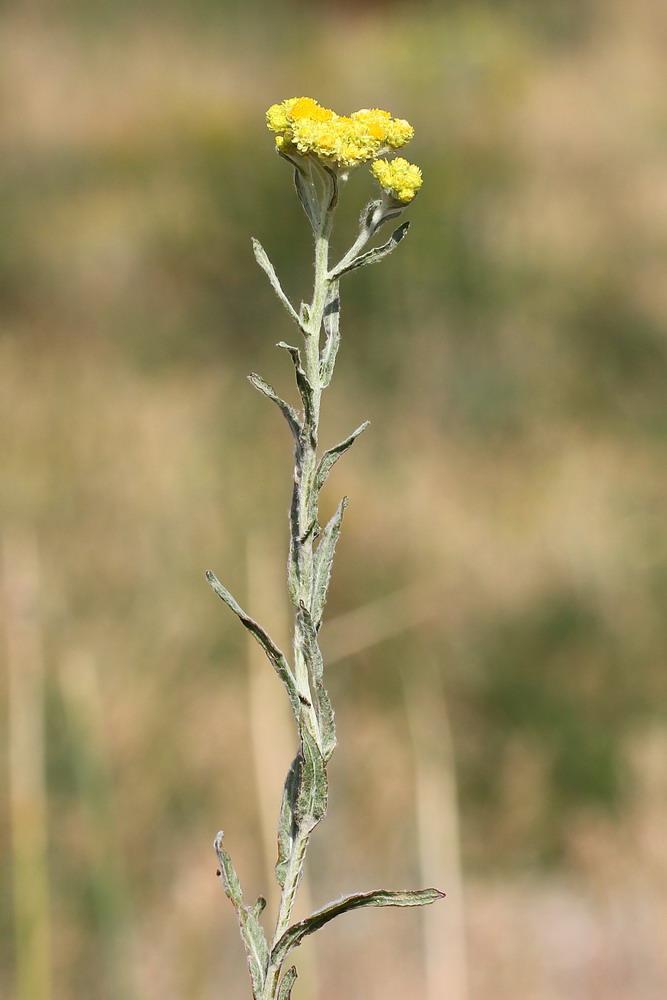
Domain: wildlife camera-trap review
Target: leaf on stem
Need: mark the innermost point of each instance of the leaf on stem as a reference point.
(262, 259)
(287, 823)
(303, 385)
(330, 457)
(286, 984)
(331, 323)
(307, 195)
(275, 655)
(322, 564)
(311, 803)
(290, 414)
(323, 708)
(380, 897)
(377, 253)
(333, 177)
(252, 933)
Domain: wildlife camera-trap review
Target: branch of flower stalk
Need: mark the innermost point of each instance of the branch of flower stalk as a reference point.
(375, 215)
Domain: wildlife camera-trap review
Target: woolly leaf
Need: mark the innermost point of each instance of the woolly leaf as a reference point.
(276, 657)
(286, 984)
(263, 260)
(330, 457)
(287, 828)
(290, 414)
(331, 322)
(304, 386)
(380, 897)
(254, 939)
(377, 253)
(323, 561)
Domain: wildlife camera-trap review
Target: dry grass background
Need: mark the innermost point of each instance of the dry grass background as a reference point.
(501, 580)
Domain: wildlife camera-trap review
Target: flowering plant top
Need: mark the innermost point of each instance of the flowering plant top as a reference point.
(306, 129)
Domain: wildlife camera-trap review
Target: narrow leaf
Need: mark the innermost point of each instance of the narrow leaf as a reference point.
(262, 259)
(252, 933)
(313, 786)
(304, 386)
(276, 657)
(325, 717)
(333, 177)
(380, 897)
(331, 323)
(290, 414)
(330, 457)
(286, 984)
(381, 219)
(230, 879)
(323, 708)
(307, 195)
(287, 828)
(377, 253)
(323, 560)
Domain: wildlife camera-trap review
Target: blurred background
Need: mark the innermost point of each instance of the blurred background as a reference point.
(496, 633)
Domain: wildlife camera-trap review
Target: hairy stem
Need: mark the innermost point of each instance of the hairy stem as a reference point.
(304, 529)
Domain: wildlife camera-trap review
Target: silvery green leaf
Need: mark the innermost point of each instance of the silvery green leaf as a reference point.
(263, 260)
(330, 457)
(304, 386)
(275, 655)
(323, 708)
(333, 177)
(380, 897)
(230, 880)
(377, 253)
(382, 218)
(254, 939)
(323, 560)
(313, 656)
(331, 322)
(287, 824)
(325, 718)
(286, 984)
(313, 786)
(370, 215)
(290, 414)
(307, 195)
(293, 569)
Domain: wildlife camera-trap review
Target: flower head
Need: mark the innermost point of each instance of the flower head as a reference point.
(400, 179)
(305, 127)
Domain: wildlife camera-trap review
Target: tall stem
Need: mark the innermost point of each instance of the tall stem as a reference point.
(304, 529)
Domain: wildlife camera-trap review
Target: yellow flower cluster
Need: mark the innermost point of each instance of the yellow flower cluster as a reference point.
(398, 177)
(304, 126)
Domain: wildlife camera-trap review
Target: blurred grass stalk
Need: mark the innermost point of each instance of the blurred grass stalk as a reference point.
(27, 777)
(84, 709)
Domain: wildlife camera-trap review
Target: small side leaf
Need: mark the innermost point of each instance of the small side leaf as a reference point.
(330, 457)
(311, 803)
(331, 323)
(380, 897)
(307, 195)
(323, 708)
(290, 414)
(287, 827)
(303, 385)
(275, 655)
(323, 561)
(286, 984)
(263, 260)
(252, 933)
(377, 253)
